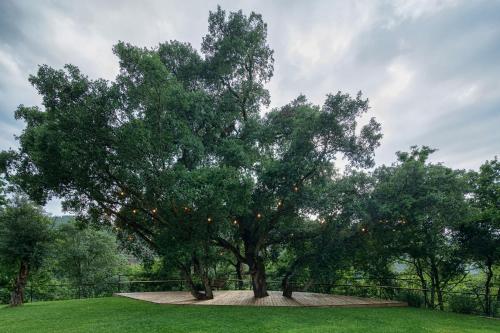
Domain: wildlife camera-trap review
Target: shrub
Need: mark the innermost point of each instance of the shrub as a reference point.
(4, 295)
(462, 303)
(413, 298)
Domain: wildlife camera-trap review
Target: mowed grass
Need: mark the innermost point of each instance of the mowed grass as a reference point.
(115, 314)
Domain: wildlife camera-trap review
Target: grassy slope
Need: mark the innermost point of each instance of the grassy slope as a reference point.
(125, 315)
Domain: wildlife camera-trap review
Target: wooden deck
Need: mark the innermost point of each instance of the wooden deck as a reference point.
(245, 297)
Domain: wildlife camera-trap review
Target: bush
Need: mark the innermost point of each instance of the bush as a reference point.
(413, 298)
(4, 295)
(461, 303)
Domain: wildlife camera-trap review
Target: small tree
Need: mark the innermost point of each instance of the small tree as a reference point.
(419, 206)
(480, 237)
(25, 233)
(86, 256)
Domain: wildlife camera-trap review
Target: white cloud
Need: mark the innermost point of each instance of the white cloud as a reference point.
(429, 67)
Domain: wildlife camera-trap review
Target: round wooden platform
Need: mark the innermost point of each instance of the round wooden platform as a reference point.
(245, 297)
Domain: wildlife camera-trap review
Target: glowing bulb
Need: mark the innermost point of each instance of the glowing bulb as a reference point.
(280, 203)
(363, 229)
(295, 188)
(235, 222)
(134, 211)
(122, 193)
(154, 211)
(209, 220)
(259, 215)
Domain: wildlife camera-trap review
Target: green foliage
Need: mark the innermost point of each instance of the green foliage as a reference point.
(480, 235)
(25, 234)
(87, 257)
(177, 157)
(413, 298)
(178, 141)
(418, 208)
(466, 304)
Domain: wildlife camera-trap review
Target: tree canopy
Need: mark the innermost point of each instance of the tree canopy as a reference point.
(180, 144)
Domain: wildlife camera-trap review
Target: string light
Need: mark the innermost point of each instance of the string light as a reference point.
(209, 220)
(363, 229)
(322, 221)
(295, 188)
(122, 193)
(235, 222)
(186, 209)
(259, 215)
(154, 211)
(134, 210)
(280, 203)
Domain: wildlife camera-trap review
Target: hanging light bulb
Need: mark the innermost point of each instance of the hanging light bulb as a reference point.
(154, 211)
(259, 215)
(209, 220)
(235, 222)
(280, 203)
(134, 210)
(295, 188)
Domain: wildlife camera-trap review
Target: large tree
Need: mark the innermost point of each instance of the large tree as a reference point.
(179, 142)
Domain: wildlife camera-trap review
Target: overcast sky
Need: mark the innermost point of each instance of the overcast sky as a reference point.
(431, 69)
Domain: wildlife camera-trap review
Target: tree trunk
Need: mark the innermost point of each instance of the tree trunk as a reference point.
(437, 284)
(258, 273)
(440, 298)
(433, 294)
(498, 295)
(286, 285)
(205, 280)
(423, 283)
(239, 273)
(207, 286)
(487, 289)
(17, 295)
(186, 274)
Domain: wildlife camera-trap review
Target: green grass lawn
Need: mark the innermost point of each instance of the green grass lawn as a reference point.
(125, 315)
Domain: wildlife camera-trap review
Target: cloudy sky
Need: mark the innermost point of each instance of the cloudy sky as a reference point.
(430, 68)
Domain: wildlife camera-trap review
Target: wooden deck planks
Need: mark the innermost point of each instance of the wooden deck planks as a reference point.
(245, 298)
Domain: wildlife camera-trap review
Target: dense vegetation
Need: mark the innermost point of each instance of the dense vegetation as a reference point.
(55, 259)
(178, 158)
